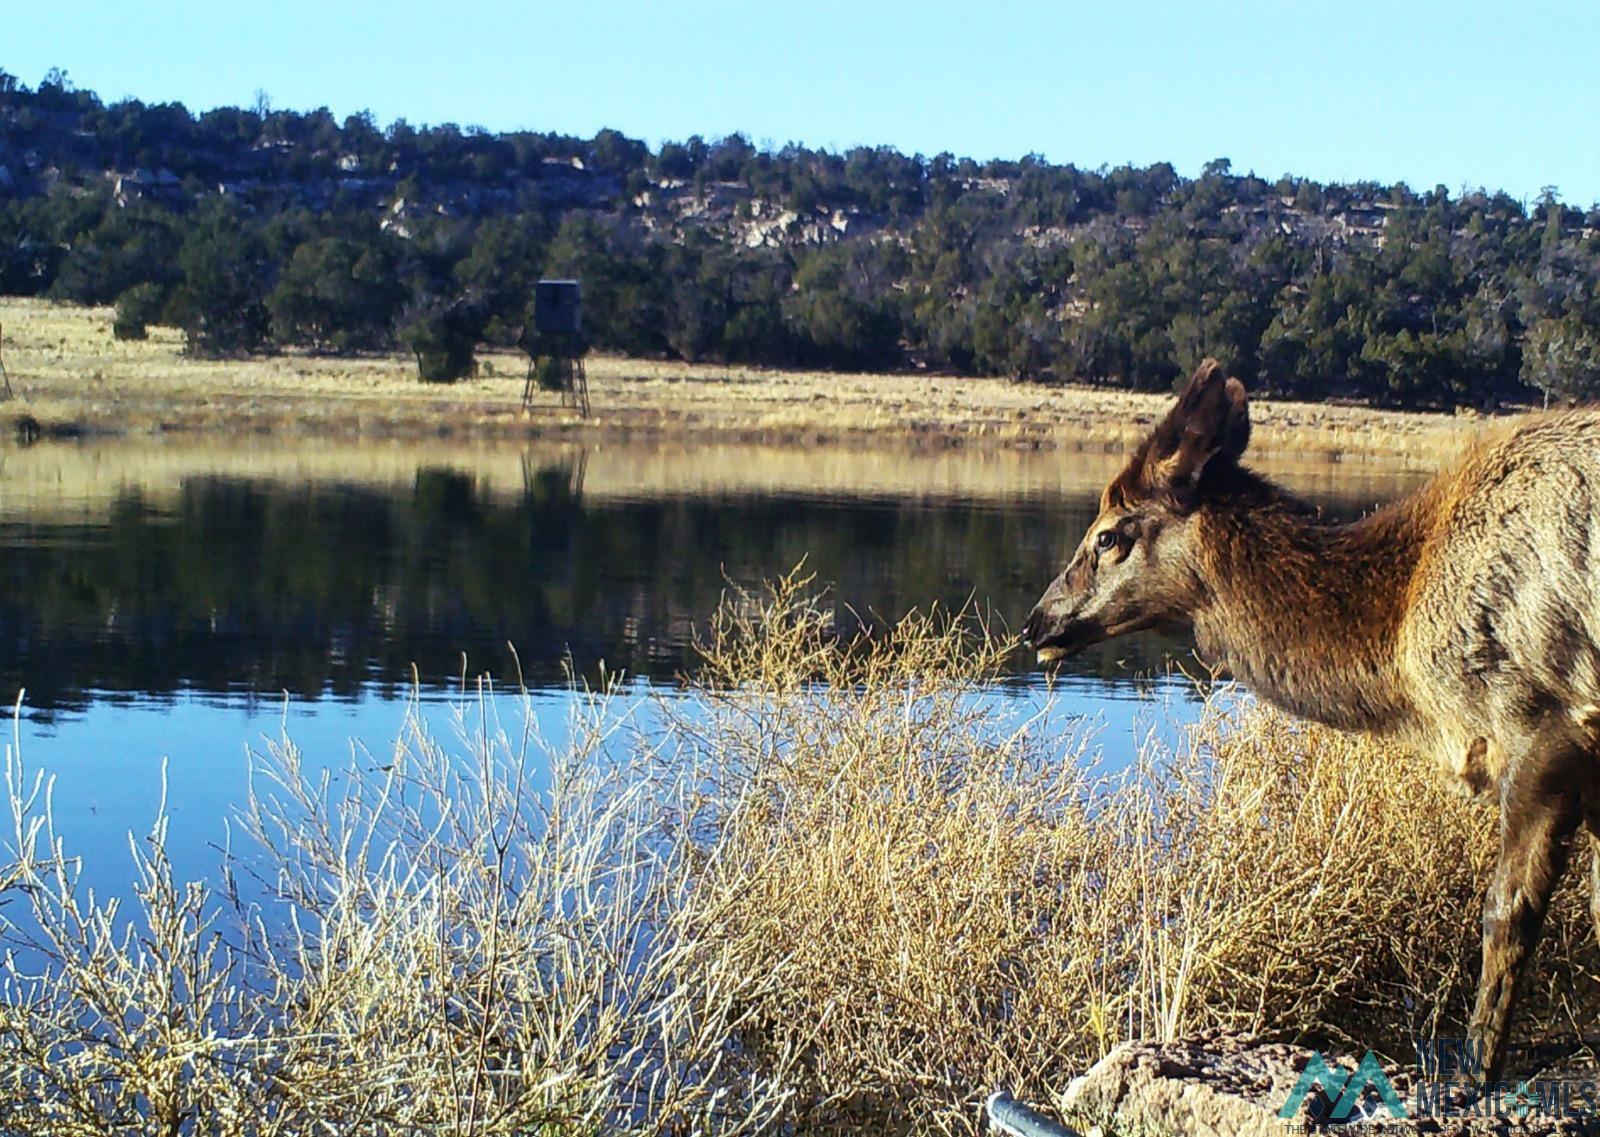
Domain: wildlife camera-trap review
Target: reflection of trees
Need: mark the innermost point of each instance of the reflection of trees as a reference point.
(259, 585)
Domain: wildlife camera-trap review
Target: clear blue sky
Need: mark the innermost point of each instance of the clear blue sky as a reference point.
(1464, 94)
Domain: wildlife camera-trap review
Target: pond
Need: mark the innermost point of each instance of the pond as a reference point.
(171, 603)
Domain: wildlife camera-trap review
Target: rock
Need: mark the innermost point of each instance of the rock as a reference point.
(1213, 1085)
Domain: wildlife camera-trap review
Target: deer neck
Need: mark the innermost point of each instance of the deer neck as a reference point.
(1305, 613)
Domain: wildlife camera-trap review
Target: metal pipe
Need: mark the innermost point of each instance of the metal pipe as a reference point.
(1009, 1116)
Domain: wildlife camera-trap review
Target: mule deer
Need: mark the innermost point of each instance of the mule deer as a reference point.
(1463, 620)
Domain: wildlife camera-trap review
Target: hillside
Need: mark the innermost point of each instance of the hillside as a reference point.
(259, 228)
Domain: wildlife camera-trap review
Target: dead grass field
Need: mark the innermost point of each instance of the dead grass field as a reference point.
(72, 376)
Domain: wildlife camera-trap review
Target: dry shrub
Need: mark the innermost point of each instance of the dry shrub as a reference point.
(895, 847)
(1292, 880)
(845, 883)
(951, 894)
(435, 948)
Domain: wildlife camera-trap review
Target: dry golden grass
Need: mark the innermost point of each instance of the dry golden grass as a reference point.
(840, 886)
(72, 373)
(949, 899)
(440, 950)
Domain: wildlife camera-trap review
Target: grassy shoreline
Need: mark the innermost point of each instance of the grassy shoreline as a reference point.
(73, 378)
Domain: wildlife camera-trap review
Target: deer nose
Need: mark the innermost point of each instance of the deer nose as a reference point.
(1031, 628)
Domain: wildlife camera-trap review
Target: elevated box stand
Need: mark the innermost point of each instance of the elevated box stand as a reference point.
(555, 345)
(558, 307)
(4, 378)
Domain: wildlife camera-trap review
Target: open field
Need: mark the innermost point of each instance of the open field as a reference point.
(853, 898)
(71, 375)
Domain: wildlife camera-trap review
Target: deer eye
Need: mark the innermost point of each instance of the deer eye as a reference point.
(1106, 540)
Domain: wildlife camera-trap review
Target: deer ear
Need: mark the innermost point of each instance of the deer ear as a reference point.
(1210, 422)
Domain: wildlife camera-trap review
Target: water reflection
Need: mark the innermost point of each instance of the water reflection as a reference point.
(239, 585)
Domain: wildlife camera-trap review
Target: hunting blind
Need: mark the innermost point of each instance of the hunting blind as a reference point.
(555, 345)
(558, 307)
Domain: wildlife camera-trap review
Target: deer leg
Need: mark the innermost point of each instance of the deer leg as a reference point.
(1594, 879)
(1536, 820)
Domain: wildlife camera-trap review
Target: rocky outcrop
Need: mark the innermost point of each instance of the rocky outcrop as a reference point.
(1215, 1086)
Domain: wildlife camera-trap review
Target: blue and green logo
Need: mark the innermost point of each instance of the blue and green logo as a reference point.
(1348, 1091)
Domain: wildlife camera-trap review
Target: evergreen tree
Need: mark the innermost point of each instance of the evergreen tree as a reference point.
(225, 276)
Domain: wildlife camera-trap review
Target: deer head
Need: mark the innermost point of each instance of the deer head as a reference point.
(1138, 565)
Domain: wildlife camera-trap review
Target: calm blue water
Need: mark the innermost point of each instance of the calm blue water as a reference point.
(113, 760)
(187, 627)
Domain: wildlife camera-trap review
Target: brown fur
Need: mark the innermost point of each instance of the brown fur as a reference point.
(1464, 620)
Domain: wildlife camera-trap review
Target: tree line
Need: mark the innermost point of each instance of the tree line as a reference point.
(254, 229)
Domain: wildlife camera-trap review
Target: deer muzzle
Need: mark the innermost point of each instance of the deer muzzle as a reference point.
(1055, 635)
